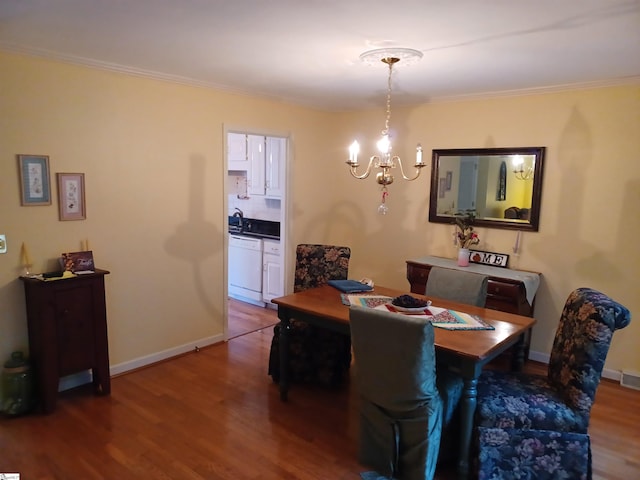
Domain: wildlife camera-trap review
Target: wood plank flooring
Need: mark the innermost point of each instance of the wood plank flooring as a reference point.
(215, 414)
(246, 318)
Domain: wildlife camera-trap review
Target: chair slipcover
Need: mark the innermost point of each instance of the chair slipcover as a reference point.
(457, 285)
(315, 354)
(535, 425)
(401, 413)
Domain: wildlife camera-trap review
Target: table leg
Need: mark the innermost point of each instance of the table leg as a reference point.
(517, 361)
(285, 330)
(469, 401)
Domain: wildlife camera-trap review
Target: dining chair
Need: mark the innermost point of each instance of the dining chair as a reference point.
(457, 285)
(533, 426)
(316, 354)
(404, 401)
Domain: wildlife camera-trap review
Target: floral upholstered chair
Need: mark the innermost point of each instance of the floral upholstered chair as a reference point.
(316, 354)
(532, 426)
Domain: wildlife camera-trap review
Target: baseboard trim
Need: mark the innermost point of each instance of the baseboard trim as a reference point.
(544, 358)
(81, 378)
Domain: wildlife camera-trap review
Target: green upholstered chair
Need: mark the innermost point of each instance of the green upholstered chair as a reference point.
(457, 285)
(316, 355)
(404, 403)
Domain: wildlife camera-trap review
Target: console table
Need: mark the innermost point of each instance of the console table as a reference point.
(508, 290)
(67, 323)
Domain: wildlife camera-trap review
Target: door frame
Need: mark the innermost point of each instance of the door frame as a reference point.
(284, 210)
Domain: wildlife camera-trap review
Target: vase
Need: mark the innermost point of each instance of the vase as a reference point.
(463, 257)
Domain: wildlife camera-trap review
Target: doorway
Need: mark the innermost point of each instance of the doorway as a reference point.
(255, 191)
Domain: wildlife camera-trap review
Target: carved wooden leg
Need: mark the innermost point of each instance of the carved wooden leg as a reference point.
(517, 361)
(469, 401)
(285, 331)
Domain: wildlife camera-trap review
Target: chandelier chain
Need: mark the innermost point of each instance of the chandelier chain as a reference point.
(388, 119)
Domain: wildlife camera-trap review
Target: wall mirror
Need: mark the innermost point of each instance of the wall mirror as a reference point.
(501, 186)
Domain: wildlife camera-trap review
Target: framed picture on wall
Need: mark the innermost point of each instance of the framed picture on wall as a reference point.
(35, 183)
(71, 196)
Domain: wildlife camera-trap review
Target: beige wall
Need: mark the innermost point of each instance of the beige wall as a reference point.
(590, 206)
(152, 154)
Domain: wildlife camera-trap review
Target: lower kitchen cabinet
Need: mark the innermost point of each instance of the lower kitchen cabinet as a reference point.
(272, 285)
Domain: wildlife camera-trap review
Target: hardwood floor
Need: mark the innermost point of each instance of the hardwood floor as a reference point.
(216, 414)
(246, 318)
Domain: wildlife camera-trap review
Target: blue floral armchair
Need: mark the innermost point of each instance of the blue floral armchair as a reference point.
(535, 427)
(316, 355)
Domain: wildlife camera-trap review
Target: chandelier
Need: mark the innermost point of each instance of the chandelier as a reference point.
(519, 170)
(385, 161)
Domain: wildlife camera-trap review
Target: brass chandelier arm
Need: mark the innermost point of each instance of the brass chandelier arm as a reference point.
(353, 167)
(418, 168)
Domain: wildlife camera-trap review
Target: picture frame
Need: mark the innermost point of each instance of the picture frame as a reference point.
(441, 190)
(71, 196)
(449, 178)
(78, 262)
(35, 180)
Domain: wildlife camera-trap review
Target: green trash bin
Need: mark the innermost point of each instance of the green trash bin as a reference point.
(17, 385)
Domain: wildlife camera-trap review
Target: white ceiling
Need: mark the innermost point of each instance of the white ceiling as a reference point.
(307, 51)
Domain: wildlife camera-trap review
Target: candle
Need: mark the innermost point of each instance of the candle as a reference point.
(516, 247)
(86, 245)
(82, 246)
(419, 155)
(26, 259)
(353, 152)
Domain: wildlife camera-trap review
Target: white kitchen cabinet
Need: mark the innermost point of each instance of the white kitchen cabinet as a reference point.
(274, 166)
(237, 157)
(256, 172)
(272, 284)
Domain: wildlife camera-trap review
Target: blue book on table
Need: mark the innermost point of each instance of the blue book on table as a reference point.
(350, 286)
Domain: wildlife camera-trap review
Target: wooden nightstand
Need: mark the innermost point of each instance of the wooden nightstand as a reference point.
(67, 323)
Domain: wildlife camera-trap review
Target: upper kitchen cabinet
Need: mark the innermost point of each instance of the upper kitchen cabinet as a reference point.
(266, 171)
(274, 165)
(256, 172)
(237, 157)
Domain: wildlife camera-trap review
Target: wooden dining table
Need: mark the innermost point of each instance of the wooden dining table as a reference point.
(463, 351)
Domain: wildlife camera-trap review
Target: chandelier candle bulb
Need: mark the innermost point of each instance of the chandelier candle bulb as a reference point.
(353, 152)
(419, 160)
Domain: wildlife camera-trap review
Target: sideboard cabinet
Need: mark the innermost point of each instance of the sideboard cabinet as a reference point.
(67, 324)
(508, 290)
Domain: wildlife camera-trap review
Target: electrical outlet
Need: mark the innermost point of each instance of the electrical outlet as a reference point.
(3, 244)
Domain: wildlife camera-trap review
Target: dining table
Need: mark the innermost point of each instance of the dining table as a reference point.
(466, 352)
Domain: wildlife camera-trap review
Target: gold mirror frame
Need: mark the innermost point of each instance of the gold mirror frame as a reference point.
(486, 182)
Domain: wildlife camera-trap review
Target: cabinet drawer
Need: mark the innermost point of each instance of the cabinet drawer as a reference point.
(271, 247)
(504, 290)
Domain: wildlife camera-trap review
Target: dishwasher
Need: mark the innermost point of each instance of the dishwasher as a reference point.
(245, 269)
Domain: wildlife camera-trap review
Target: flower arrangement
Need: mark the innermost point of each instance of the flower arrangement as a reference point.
(465, 236)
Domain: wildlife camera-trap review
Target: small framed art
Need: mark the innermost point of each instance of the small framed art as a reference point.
(442, 187)
(71, 196)
(35, 183)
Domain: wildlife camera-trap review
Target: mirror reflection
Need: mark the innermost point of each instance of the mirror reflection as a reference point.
(501, 186)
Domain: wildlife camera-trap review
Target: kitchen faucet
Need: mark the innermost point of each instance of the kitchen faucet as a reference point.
(238, 213)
